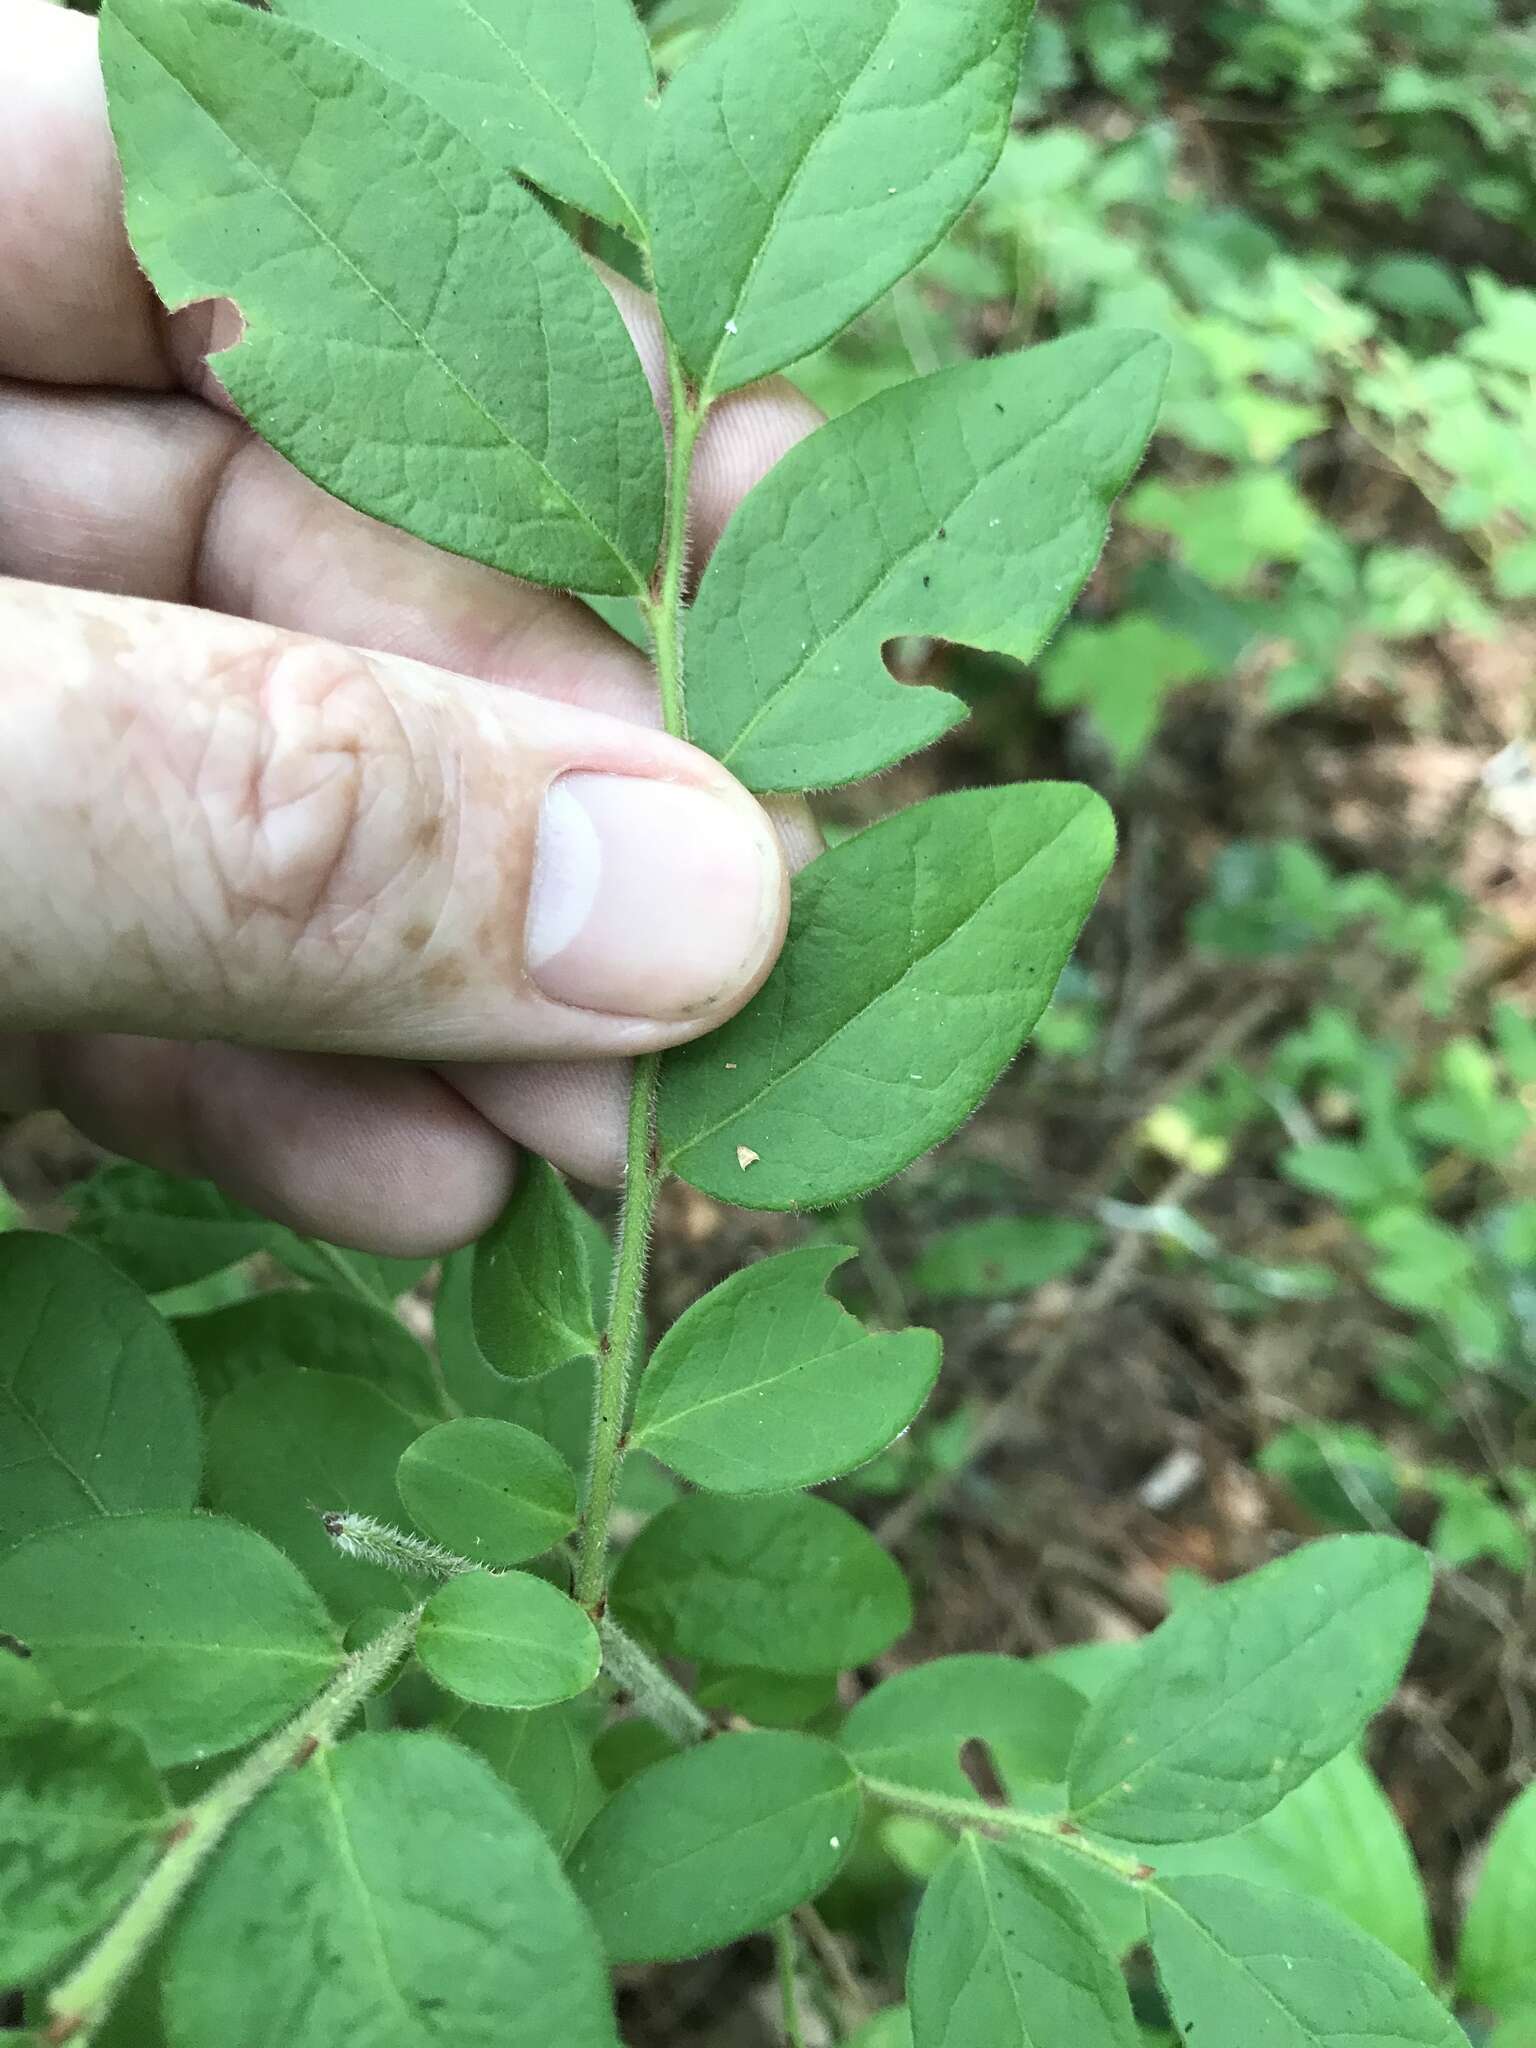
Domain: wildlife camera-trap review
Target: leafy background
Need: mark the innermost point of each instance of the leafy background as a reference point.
(1245, 1249)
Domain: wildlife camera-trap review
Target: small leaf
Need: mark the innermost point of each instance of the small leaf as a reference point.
(98, 1413)
(772, 1699)
(285, 1449)
(531, 1294)
(192, 1630)
(767, 1384)
(808, 156)
(703, 1848)
(920, 955)
(493, 1492)
(392, 1893)
(1243, 1693)
(892, 2029)
(80, 1808)
(377, 360)
(320, 1330)
(164, 1232)
(910, 1730)
(1497, 1965)
(1242, 1963)
(1120, 674)
(545, 1755)
(562, 96)
(1002, 1954)
(786, 1583)
(970, 505)
(1002, 1256)
(507, 1639)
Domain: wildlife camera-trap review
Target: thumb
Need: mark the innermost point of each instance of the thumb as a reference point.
(213, 829)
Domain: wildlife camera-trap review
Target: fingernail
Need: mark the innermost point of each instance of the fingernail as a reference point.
(651, 899)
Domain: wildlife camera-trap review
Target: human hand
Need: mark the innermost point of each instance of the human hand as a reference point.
(336, 922)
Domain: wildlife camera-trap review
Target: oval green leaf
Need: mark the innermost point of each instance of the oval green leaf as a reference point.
(376, 359)
(545, 1755)
(768, 1384)
(1003, 1954)
(703, 1848)
(908, 1732)
(1244, 1692)
(81, 1812)
(439, 1909)
(920, 955)
(193, 1631)
(531, 1295)
(494, 1493)
(784, 1583)
(98, 1414)
(1241, 1963)
(970, 506)
(808, 156)
(507, 1639)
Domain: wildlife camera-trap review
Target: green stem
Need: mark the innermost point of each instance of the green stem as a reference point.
(784, 1951)
(1002, 1821)
(623, 1340)
(78, 2006)
(658, 1696)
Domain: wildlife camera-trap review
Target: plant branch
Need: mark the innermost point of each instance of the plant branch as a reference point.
(78, 2006)
(999, 1822)
(658, 1696)
(623, 1340)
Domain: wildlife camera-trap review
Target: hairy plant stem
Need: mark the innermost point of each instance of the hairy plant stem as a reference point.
(624, 1338)
(999, 1822)
(658, 1696)
(81, 2003)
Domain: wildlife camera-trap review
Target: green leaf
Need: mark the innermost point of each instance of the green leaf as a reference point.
(771, 1699)
(371, 1276)
(1002, 1256)
(507, 1639)
(164, 1232)
(1243, 1693)
(377, 360)
(806, 159)
(1242, 1963)
(544, 1755)
(703, 1848)
(970, 505)
(531, 1295)
(1497, 1964)
(786, 1583)
(392, 1894)
(98, 1414)
(562, 95)
(1229, 528)
(910, 1730)
(1003, 1954)
(321, 1330)
(767, 1384)
(26, 1695)
(1337, 1840)
(891, 2029)
(920, 954)
(80, 1811)
(288, 1448)
(493, 1492)
(194, 1631)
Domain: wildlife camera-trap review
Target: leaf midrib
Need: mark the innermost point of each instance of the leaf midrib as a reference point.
(777, 1081)
(451, 376)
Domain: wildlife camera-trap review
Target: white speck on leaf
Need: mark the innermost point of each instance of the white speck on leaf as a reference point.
(746, 1157)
